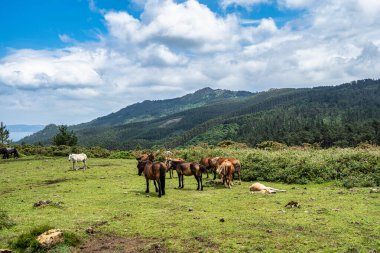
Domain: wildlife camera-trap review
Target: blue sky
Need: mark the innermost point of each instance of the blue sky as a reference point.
(70, 61)
(37, 24)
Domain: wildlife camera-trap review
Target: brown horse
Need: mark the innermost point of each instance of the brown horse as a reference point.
(155, 171)
(145, 157)
(171, 168)
(206, 161)
(188, 169)
(235, 162)
(226, 171)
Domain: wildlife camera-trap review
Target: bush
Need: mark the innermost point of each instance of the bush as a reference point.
(271, 145)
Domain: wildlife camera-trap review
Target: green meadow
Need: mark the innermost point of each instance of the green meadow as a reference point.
(109, 199)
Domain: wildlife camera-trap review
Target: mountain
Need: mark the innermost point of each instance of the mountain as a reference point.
(150, 110)
(342, 115)
(145, 111)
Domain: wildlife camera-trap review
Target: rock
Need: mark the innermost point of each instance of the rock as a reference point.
(221, 220)
(374, 190)
(269, 231)
(90, 230)
(293, 204)
(191, 209)
(50, 238)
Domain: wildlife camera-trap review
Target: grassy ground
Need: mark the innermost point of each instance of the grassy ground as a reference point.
(110, 198)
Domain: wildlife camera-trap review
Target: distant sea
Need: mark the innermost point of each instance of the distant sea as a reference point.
(17, 132)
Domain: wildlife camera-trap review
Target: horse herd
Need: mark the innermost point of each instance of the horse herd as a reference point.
(225, 167)
(156, 170)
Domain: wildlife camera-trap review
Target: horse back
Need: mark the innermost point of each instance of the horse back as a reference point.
(184, 168)
(154, 170)
(205, 161)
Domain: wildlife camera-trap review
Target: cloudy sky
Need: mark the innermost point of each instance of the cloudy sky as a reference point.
(70, 61)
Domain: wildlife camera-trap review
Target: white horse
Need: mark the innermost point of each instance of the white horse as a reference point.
(78, 158)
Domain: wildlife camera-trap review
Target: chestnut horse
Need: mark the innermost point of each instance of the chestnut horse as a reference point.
(217, 161)
(155, 171)
(206, 161)
(226, 170)
(187, 169)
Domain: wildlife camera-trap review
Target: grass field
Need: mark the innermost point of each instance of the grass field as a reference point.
(110, 198)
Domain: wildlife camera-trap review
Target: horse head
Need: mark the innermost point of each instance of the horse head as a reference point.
(140, 167)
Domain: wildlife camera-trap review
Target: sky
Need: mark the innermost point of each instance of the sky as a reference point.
(71, 61)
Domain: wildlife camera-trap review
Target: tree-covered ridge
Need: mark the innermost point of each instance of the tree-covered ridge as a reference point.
(343, 115)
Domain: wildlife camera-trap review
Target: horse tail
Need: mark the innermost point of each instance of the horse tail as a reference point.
(162, 178)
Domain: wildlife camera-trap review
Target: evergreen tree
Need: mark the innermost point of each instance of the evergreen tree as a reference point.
(4, 134)
(64, 137)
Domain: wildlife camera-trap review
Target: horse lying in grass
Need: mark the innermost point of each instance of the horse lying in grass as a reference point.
(155, 171)
(187, 169)
(258, 187)
(75, 158)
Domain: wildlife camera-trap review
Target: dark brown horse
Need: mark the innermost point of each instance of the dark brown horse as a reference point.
(8, 152)
(170, 169)
(188, 169)
(155, 171)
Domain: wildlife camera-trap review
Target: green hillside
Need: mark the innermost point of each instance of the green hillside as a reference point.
(343, 115)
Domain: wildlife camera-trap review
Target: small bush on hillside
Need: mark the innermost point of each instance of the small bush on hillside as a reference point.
(271, 145)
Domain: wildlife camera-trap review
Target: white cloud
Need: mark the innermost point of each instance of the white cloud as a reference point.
(188, 26)
(175, 48)
(244, 3)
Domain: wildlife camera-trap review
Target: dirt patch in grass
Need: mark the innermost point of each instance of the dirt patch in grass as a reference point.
(113, 243)
(104, 165)
(56, 181)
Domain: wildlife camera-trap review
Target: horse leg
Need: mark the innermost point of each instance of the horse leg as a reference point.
(179, 180)
(200, 179)
(214, 174)
(159, 187)
(73, 166)
(84, 165)
(239, 178)
(147, 185)
(196, 177)
(155, 185)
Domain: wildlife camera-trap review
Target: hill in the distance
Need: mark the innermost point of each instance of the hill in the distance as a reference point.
(343, 115)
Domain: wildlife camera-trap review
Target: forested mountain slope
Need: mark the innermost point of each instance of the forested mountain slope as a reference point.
(343, 115)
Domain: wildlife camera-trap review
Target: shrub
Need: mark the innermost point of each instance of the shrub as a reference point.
(271, 145)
